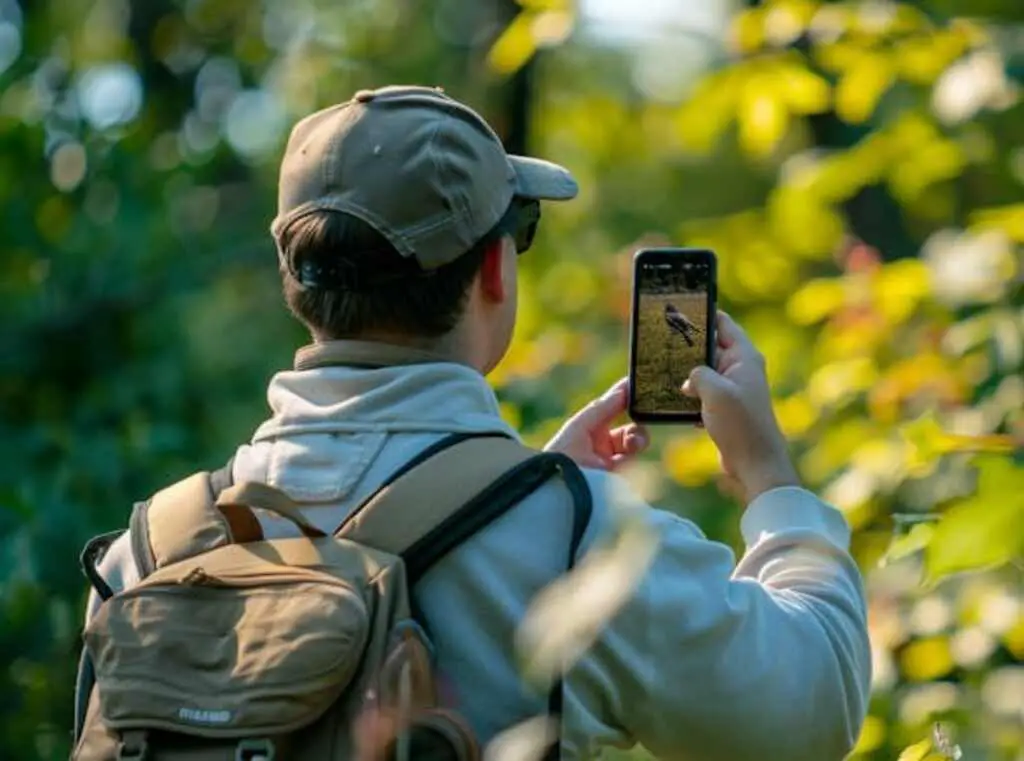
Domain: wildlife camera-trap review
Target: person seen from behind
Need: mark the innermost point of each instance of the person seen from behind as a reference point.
(401, 225)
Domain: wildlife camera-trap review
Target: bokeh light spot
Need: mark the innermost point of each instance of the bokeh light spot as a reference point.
(110, 95)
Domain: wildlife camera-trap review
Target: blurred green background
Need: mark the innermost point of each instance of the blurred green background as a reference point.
(858, 168)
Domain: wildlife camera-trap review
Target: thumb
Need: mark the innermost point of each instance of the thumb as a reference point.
(704, 383)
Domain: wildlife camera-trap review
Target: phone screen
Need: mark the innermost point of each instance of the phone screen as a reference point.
(671, 304)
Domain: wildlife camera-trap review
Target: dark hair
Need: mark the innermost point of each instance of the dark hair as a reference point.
(385, 291)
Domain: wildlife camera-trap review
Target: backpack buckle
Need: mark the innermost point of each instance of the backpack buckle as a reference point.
(259, 749)
(134, 746)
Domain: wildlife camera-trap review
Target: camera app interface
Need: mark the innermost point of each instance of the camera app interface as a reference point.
(671, 333)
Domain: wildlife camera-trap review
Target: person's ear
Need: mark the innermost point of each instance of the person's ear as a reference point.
(492, 277)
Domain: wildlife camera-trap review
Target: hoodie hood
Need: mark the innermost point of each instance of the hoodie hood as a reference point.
(331, 416)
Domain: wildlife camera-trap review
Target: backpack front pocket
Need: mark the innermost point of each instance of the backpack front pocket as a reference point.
(227, 656)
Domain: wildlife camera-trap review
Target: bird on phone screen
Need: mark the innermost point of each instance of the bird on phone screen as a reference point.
(677, 321)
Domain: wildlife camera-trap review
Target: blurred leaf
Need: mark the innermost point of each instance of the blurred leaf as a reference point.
(704, 117)
(514, 46)
(900, 286)
(565, 617)
(911, 543)
(526, 741)
(816, 300)
(762, 116)
(867, 78)
(926, 659)
(983, 530)
(1009, 219)
(838, 382)
(919, 751)
(804, 92)
(872, 735)
(691, 460)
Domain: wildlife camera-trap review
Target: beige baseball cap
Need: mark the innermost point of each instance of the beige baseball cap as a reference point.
(423, 169)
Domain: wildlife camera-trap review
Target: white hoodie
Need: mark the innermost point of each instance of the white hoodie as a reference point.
(708, 660)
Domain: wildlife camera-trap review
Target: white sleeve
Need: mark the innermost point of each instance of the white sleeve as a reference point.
(765, 659)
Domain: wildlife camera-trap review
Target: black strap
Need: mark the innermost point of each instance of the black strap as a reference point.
(493, 502)
(91, 557)
(490, 504)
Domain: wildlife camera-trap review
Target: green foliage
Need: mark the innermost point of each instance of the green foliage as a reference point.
(855, 166)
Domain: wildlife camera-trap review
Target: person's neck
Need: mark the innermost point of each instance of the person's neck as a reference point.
(445, 348)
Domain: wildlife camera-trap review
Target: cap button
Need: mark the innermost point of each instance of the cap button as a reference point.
(365, 96)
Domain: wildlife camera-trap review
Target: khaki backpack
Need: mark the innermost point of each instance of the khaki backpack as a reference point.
(234, 647)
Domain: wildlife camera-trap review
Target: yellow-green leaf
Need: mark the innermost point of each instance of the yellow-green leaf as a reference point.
(927, 659)
(862, 87)
(984, 530)
(1009, 219)
(915, 540)
(514, 46)
(917, 752)
(762, 117)
(804, 91)
(816, 300)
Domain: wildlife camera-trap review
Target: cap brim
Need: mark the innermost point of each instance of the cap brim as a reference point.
(536, 178)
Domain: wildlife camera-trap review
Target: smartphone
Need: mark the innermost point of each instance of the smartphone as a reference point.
(671, 330)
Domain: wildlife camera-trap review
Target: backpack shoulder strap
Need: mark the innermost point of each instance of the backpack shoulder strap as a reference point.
(459, 486)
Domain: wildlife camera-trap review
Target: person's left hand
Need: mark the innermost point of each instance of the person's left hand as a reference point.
(588, 438)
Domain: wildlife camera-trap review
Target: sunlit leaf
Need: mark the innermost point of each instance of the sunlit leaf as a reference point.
(546, 5)
(552, 27)
(746, 30)
(1013, 638)
(515, 46)
(919, 751)
(805, 225)
(934, 161)
(804, 92)
(922, 59)
(816, 300)
(762, 117)
(511, 414)
(862, 86)
(709, 111)
(926, 659)
(926, 441)
(691, 460)
(1008, 219)
(872, 735)
(908, 544)
(795, 414)
(985, 529)
(835, 383)
(926, 373)
(899, 288)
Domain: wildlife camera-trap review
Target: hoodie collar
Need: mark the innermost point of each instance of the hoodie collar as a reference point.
(370, 387)
(363, 354)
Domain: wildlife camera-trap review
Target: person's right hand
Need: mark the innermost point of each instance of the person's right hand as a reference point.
(736, 408)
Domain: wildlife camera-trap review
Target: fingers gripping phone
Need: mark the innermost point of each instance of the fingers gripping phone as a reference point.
(671, 331)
